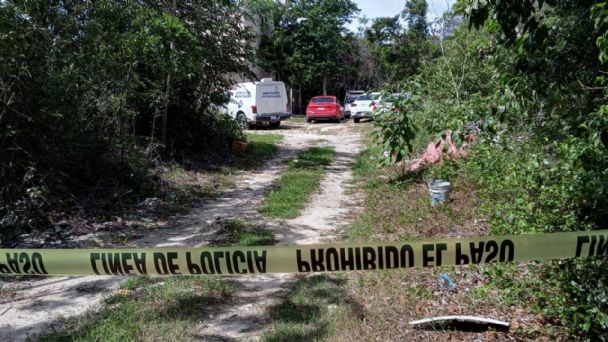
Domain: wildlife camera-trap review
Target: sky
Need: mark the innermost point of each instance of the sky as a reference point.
(390, 8)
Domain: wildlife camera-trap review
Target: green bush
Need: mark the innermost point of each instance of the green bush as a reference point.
(93, 93)
(529, 186)
(539, 164)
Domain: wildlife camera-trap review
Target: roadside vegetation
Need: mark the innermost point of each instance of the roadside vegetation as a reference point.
(535, 162)
(151, 309)
(310, 311)
(161, 308)
(97, 95)
(236, 232)
(107, 106)
(297, 183)
(182, 184)
(523, 86)
(260, 148)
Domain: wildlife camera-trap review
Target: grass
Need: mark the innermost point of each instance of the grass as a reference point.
(261, 147)
(151, 309)
(311, 310)
(298, 182)
(182, 186)
(160, 309)
(170, 309)
(298, 118)
(236, 232)
(398, 208)
(381, 303)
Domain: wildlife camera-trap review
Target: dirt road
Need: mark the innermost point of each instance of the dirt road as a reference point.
(37, 304)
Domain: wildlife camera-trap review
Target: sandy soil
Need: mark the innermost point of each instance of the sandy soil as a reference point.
(37, 304)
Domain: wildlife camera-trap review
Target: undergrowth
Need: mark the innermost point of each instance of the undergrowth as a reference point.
(153, 309)
(311, 311)
(237, 232)
(297, 183)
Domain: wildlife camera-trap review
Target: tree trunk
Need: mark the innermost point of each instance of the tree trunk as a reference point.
(165, 114)
(324, 85)
(164, 119)
(290, 100)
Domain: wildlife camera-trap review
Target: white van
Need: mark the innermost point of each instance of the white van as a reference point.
(258, 102)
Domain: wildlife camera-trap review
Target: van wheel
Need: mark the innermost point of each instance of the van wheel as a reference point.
(241, 120)
(356, 120)
(275, 124)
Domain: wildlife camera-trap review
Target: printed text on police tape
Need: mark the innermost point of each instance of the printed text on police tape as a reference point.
(301, 259)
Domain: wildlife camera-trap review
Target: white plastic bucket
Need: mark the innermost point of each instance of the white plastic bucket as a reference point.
(439, 191)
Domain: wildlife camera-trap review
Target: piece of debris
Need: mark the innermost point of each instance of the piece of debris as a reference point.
(151, 202)
(239, 147)
(5, 310)
(439, 191)
(463, 323)
(446, 283)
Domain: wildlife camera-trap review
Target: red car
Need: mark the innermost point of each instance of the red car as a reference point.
(324, 107)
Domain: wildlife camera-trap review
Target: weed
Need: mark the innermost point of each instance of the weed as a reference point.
(311, 310)
(364, 164)
(261, 147)
(151, 309)
(297, 119)
(298, 182)
(236, 232)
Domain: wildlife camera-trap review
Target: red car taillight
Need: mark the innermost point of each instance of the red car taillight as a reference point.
(254, 109)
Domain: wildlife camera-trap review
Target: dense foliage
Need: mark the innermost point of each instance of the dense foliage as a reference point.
(93, 92)
(529, 77)
(398, 51)
(309, 43)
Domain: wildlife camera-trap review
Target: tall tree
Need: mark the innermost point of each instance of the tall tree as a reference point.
(382, 38)
(384, 31)
(398, 52)
(83, 85)
(415, 16)
(308, 41)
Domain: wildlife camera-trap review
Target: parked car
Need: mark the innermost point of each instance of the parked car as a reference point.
(324, 107)
(350, 97)
(258, 102)
(362, 107)
(387, 102)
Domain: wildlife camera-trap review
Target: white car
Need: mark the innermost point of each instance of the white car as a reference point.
(363, 106)
(350, 97)
(258, 102)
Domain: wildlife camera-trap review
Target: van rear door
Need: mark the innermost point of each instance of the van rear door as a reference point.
(271, 98)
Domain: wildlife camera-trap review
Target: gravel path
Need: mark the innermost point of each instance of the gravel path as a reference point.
(36, 304)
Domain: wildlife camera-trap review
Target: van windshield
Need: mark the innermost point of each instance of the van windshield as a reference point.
(322, 100)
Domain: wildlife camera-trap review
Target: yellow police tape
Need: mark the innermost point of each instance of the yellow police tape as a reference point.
(304, 258)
